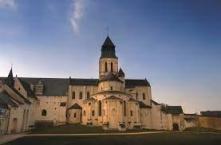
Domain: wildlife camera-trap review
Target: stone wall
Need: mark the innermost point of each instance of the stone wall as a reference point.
(52, 108)
(210, 122)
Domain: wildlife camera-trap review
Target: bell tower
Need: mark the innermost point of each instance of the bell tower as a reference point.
(108, 62)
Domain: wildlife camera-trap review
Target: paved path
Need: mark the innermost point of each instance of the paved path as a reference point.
(98, 134)
(7, 138)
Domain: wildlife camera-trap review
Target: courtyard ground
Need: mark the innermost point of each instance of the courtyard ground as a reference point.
(167, 138)
(78, 129)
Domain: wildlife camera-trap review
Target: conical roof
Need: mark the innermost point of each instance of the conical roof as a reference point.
(108, 49)
(121, 73)
(108, 43)
(10, 80)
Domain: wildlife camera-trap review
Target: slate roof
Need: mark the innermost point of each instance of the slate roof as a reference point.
(3, 104)
(52, 86)
(131, 83)
(113, 98)
(211, 113)
(59, 86)
(75, 106)
(172, 109)
(6, 99)
(27, 87)
(108, 49)
(154, 102)
(112, 92)
(86, 82)
(21, 96)
(142, 105)
(121, 73)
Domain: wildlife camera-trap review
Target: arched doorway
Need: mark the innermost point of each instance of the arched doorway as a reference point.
(113, 122)
(175, 127)
(14, 125)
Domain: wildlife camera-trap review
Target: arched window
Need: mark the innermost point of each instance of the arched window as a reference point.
(80, 95)
(73, 95)
(144, 96)
(99, 108)
(75, 115)
(105, 66)
(88, 95)
(93, 113)
(44, 112)
(131, 113)
(84, 113)
(125, 111)
(111, 67)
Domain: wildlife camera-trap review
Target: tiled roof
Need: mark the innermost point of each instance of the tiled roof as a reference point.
(172, 109)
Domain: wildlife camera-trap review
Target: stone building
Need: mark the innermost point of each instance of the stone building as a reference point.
(17, 105)
(112, 101)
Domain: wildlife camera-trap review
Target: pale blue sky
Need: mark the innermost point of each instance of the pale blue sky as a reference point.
(175, 44)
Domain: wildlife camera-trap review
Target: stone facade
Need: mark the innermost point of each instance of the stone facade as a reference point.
(112, 101)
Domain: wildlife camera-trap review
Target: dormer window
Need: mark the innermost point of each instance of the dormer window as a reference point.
(39, 88)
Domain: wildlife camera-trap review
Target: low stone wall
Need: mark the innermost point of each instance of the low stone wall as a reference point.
(210, 122)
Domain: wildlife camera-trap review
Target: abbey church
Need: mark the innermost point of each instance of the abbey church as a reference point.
(112, 101)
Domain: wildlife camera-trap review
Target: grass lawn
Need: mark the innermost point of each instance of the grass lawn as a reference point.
(77, 128)
(169, 138)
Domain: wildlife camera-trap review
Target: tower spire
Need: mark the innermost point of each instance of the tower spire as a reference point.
(10, 80)
(108, 49)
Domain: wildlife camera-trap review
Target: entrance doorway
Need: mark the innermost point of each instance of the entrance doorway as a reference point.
(175, 127)
(14, 125)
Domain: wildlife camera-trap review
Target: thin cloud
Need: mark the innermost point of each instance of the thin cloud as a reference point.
(8, 4)
(77, 14)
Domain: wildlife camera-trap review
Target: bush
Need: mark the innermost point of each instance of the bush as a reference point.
(43, 124)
